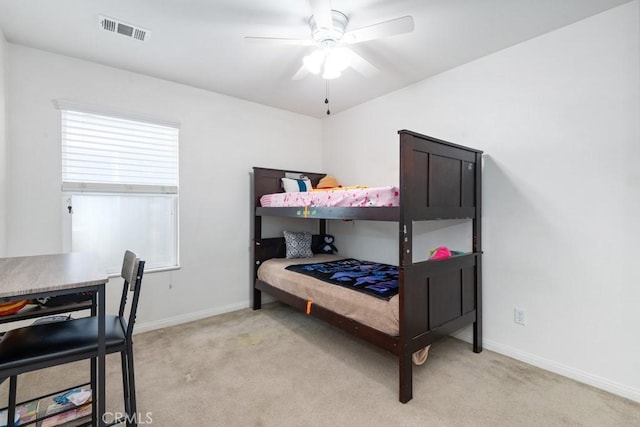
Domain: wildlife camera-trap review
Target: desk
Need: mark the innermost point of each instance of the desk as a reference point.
(50, 275)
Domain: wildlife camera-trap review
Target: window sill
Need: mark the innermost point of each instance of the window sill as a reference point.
(151, 270)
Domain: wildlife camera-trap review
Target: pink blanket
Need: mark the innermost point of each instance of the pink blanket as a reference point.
(358, 197)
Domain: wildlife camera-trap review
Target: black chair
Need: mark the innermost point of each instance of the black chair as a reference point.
(50, 344)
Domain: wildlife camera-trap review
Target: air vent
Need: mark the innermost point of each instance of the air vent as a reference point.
(119, 27)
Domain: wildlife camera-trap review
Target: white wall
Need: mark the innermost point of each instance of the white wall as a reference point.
(221, 138)
(3, 145)
(558, 119)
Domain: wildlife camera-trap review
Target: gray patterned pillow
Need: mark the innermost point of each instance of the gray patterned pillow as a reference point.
(298, 244)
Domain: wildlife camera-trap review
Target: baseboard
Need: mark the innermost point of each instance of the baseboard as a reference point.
(189, 317)
(557, 368)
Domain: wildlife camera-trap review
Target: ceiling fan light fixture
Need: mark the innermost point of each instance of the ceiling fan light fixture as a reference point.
(331, 62)
(330, 74)
(338, 59)
(313, 62)
(334, 64)
(328, 59)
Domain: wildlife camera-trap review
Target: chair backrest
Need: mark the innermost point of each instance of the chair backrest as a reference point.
(132, 271)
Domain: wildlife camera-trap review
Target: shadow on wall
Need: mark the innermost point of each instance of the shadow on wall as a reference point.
(522, 237)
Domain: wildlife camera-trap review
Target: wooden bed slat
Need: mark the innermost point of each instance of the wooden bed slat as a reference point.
(371, 213)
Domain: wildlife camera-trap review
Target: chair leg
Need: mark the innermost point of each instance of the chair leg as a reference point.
(125, 383)
(11, 415)
(132, 386)
(94, 392)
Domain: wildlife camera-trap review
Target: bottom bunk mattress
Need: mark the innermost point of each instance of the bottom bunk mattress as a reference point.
(377, 313)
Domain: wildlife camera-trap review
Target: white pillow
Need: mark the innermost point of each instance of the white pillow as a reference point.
(296, 185)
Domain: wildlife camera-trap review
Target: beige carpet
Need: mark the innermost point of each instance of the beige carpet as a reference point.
(277, 367)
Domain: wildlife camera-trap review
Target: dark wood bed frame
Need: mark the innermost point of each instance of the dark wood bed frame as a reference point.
(438, 180)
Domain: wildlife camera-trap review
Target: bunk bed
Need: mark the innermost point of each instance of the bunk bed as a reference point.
(438, 180)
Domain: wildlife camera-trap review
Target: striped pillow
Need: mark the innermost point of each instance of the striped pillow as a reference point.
(296, 185)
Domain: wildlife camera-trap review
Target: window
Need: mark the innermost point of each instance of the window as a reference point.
(120, 188)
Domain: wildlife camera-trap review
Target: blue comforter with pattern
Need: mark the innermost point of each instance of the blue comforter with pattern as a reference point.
(373, 278)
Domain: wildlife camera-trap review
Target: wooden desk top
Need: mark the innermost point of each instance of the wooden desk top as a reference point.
(45, 273)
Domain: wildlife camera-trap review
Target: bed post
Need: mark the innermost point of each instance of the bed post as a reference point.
(406, 380)
(257, 237)
(322, 227)
(405, 261)
(257, 298)
(477, 248)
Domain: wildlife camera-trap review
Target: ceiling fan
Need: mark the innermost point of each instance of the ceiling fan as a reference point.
(330, 37)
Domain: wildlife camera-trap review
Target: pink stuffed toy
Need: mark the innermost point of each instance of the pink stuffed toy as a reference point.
(441, 252)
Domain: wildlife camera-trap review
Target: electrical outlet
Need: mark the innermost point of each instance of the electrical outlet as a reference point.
(520, 316)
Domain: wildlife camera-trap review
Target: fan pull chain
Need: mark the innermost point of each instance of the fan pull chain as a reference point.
(326, 99)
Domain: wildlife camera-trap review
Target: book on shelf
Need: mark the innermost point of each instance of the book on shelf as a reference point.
(73, 415)
(82, 421)
(28, 411)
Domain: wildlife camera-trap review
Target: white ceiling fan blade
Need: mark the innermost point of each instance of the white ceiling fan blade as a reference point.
(321, 10)
(278, 41)
(301, 73)
(381, 29)
(361, 65)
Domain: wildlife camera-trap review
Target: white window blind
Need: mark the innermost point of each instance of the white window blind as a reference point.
(102, 153)
(120, 188)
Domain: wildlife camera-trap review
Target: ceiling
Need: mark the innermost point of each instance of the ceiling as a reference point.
(201, 43)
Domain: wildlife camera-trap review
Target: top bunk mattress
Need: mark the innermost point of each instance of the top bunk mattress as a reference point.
(388, 196)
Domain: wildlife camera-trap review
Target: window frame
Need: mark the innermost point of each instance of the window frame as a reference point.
(68, 189)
